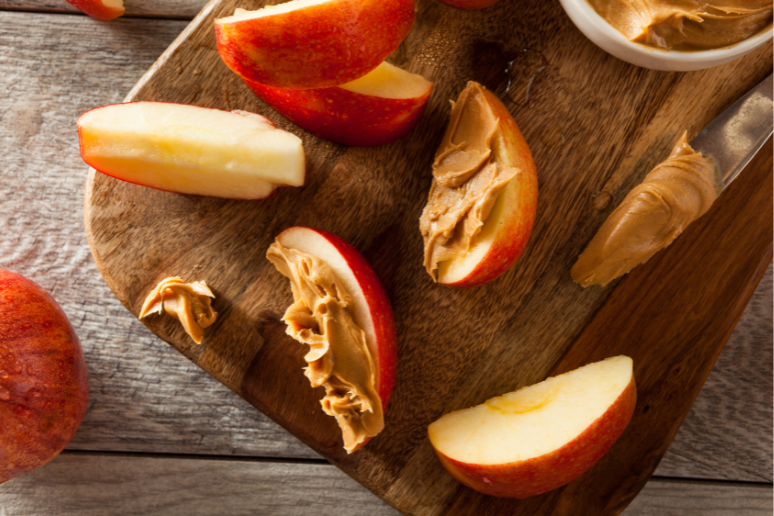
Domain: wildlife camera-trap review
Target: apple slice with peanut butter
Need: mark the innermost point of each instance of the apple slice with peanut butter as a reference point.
(340, 310)
(483, 198)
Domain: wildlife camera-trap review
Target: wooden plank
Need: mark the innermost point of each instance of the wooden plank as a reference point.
(685, 498)
(144, 394)
(177, 9)
(738, 389)
(637, 318)
(494, 339)
(93, 484)
(666, 336)
(86, 484)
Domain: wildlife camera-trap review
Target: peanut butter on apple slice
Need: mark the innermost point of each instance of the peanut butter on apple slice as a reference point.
(338, 358)
(466, 180)
(190, 303)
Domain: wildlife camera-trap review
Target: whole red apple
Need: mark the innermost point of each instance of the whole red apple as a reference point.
(44, 388)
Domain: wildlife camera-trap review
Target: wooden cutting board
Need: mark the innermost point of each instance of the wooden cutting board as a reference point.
(596, 126)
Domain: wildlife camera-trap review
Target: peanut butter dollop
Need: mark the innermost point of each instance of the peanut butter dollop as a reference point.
(338, 357)
(466, 180)
(672, 195)
(686, 24)
(187, 302)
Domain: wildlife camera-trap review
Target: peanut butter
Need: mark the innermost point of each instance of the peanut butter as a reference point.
(686, 24)
(190, 303)
(338, 357)
(672, 195)
(466, 180)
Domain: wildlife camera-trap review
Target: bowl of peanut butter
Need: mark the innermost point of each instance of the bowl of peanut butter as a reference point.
(674, 35)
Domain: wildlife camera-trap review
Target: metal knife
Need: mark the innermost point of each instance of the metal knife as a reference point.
(735, 137)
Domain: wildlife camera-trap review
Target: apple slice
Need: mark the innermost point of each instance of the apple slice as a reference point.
(508, 226)
(540, 437)
(312, 43)
(379, 108)
(370, 309)
(191, 150)
(102, 10)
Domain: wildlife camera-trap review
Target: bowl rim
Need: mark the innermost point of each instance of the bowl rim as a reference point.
(584, 15)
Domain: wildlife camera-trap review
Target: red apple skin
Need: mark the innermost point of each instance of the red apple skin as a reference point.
(44, 387)
(316, 47)
(344, 116)
(379, 308)
(521, 201)
(541, 474)
(469, 4)
(96, 9)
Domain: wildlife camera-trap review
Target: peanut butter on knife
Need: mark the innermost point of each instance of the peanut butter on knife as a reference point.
(675, 193)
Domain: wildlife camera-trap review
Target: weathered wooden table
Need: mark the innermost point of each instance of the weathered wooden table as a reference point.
(160, 435)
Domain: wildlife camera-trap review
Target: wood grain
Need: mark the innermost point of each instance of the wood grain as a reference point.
(667, 336)
(685, 498)
(707, 283)
(94, 484)
(87, 484)
(743, 367)
(496, 338)
(145, 397)
(178, 9)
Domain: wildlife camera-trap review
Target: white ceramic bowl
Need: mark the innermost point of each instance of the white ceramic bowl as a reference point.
(606, 37)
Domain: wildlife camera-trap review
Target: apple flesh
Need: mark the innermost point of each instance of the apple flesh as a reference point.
(507, 229)
(102, 10)
(371, 308)
(541, 437)
(191, 150)
(44, 388)
(312, 43)
(379, 108)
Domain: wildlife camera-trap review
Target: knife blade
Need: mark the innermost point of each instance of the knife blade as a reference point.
(735, 136)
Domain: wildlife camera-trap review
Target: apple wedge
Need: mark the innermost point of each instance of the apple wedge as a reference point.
(379, 108)
(506, 229)
(102, 10)
(312, 43)
(365, 302)
(540, 437)
(191, 150)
